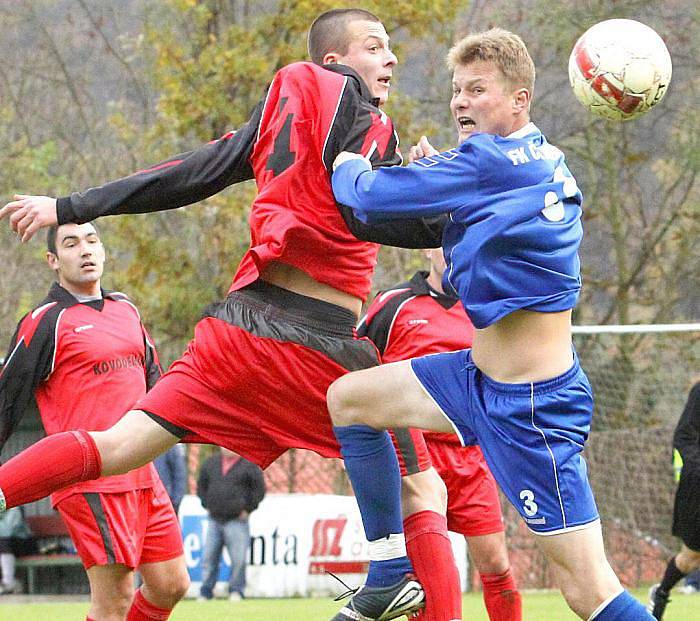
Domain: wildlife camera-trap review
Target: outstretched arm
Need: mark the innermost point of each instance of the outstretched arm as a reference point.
(400, 232)
(178, 181)
(426, 188)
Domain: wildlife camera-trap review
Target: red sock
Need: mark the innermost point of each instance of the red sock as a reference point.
(142, 610)
(501, 596)
(51, 464)
(430, 551)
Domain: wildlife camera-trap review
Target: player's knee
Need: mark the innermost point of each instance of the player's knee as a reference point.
(493, 562)
(175, 590)
(109, 444)
(340, 406)
(166, 593)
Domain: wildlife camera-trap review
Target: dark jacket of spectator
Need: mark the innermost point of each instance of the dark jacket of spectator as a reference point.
(227, 496)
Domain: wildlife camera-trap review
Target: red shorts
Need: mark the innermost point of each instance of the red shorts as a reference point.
(127, 528)
(255, 376)
(411, 450)
(473, 505)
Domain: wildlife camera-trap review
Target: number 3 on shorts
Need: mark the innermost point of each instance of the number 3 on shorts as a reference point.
(529, 505)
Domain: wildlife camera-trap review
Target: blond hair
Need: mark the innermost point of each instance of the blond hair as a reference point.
(504, 49)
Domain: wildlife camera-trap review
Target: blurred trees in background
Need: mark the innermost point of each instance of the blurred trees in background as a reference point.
(93, 89)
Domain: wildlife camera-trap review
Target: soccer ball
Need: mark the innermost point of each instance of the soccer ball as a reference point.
(619, 69)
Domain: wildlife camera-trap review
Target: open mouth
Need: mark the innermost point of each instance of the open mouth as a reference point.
(88, 264)
(466, 123)
(385, 80)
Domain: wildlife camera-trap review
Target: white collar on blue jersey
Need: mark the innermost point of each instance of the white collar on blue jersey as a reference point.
(524, 131)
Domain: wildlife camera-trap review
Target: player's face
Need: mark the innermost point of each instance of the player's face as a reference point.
(482, 101)
(79, 259)
(370, 55)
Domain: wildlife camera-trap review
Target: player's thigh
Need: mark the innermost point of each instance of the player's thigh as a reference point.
(383, 397)
(133, 441)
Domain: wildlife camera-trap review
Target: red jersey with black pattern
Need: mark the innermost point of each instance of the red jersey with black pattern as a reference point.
(86, 364)
(309, 116)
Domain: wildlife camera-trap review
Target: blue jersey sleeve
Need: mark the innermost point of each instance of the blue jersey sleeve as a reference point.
(428, 187)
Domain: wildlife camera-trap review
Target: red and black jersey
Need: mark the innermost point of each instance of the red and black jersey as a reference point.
(310, 114)
(412, 319)
(86, 364)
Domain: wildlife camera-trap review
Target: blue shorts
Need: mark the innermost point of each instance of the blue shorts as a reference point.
(532, 435)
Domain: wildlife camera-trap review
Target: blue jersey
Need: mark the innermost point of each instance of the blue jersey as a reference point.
(514, 226)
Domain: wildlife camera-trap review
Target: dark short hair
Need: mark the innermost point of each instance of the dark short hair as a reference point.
(52, 234)
(329, 31)
(51, 238)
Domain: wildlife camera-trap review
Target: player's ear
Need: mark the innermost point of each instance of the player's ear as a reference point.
(52, 260)
(331, 58)
(521, 100)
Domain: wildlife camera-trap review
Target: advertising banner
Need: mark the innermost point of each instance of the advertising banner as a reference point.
(295, 541)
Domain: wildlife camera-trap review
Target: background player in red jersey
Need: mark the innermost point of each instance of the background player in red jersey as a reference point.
(413, 319)
(255, 376)
(85, 356)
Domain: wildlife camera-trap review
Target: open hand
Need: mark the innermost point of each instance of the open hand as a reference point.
(28, 214)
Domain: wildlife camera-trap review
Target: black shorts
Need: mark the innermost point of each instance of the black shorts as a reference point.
(686, 510)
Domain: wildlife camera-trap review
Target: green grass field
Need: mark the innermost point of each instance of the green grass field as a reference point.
(538, 606)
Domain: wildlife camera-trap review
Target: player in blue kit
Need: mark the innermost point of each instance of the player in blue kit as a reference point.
(511, 245)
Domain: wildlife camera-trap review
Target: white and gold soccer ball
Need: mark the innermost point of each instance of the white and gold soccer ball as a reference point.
(619, 69)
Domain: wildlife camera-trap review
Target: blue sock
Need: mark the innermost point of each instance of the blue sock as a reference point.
(623, 608)
(373, 469)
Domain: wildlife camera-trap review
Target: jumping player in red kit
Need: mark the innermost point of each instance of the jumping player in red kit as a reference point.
(85, 357)
(255, 376)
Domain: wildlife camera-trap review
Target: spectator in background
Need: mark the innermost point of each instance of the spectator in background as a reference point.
(15, 540)
(172, 469)
(686, 510)
(230, 488)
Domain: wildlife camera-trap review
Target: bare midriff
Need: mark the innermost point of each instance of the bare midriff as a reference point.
(525, 346)
(293, 279)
